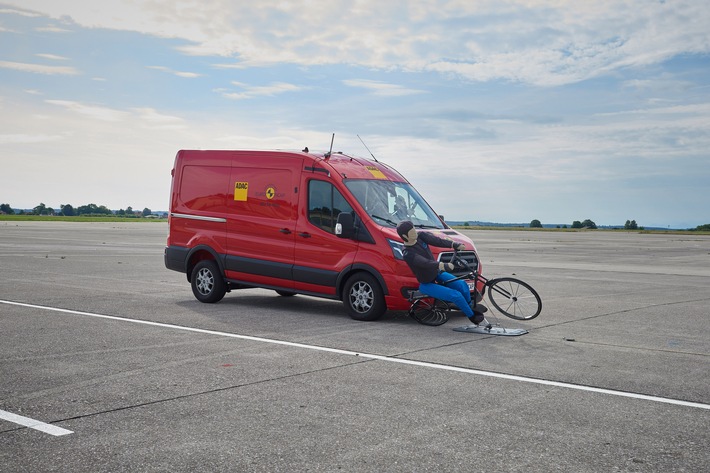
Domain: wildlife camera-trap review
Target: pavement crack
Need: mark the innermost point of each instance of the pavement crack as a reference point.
(195, 394)
(618, 312)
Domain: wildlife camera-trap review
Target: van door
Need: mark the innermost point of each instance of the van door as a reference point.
(261, 219)
(320, 254)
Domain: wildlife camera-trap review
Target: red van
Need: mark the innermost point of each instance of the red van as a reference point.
(321, 224)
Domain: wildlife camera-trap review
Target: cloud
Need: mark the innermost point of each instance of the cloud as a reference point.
(382, 89)
(479, 82)
(526, 41)
(143, 117)
(21, 138)
(250, 92)
(53, 29)
(53, 57)
(93, 111)
(39, 68)
(188, 75)
(12, 11)
(128, 151)
(151, 118)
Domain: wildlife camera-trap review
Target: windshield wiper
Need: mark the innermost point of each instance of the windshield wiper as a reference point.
(394, 224)
(421, 225)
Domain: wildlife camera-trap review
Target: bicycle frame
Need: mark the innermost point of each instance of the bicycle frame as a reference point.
(518, 300)
(513, 298)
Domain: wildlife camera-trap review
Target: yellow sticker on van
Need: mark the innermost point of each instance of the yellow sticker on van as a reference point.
(240, 191)
(376, 173)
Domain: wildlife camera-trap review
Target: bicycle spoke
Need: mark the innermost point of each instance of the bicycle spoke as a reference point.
(429, 312)
(514, 298)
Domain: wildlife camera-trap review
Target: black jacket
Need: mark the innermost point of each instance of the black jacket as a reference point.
(420, 259)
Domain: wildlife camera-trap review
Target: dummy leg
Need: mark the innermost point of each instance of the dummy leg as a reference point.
(448, 294)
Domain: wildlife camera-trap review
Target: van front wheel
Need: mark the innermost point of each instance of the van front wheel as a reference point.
(363, 297)
(207, 282)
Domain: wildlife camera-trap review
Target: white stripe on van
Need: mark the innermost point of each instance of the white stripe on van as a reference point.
(199, 217)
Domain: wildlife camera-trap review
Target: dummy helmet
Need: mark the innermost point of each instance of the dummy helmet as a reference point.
(403, 228)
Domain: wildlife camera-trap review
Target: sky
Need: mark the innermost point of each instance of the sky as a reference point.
(499, 111)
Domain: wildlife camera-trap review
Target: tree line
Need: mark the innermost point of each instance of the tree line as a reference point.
(629, 225)
(576, 224)
(589, 224)
(68, 210)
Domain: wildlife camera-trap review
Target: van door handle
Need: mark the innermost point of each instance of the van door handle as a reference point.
(285, 231)
(304, 235)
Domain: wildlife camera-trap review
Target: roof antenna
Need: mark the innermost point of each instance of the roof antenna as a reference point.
(368, 149)
(327, 155)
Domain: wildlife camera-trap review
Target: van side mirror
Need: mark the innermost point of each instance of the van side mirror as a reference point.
(345, 226)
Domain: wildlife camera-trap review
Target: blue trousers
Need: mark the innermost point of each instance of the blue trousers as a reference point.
(456, 292)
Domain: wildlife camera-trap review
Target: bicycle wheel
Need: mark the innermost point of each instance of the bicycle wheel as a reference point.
(514, 298)
(430, 311)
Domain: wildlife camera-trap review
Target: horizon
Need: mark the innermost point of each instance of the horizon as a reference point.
(458, 222)
(507, 111)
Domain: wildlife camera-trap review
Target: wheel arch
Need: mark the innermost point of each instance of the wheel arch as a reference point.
(200, 253)
(356, 268)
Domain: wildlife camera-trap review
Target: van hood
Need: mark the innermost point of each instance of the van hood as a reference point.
(446, 234)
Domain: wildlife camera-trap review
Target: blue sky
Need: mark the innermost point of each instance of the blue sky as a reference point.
(501, 111)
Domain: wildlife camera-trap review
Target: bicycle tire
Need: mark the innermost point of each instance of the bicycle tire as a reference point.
(430, 311)
(514, 298)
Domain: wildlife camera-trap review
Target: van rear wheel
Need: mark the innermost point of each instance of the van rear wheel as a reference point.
(207, 282)
(363, 297)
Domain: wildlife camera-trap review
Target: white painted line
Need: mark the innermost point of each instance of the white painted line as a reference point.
(34, 424)
(390, 359)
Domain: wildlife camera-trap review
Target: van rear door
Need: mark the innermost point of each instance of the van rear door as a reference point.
(197, 205)
(261, 219)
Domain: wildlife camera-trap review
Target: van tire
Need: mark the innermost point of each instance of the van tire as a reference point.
(207, 282)
(285, 293)
(363, 297)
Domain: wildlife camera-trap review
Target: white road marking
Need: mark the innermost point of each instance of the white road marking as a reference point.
(390, 359)
(34, 424)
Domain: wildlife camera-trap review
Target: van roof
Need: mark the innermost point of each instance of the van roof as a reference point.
(354, 167)
(344, 165)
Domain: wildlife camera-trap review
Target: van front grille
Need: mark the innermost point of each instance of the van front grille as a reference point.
(469, 256)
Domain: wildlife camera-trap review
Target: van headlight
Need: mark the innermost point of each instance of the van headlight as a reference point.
(397, 249)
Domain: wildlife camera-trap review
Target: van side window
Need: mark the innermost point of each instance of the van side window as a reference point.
(325, 203)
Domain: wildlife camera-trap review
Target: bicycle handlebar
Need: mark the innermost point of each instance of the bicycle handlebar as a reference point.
(456, 260)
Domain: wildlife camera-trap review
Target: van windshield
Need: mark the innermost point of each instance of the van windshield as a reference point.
(389, 203)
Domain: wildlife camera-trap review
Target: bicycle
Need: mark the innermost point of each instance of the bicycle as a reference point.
(510, 296)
